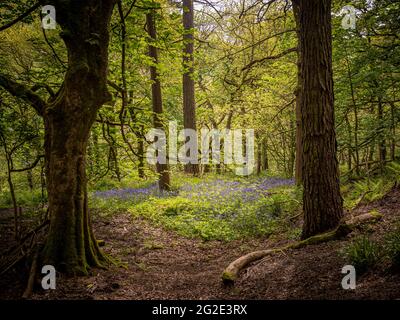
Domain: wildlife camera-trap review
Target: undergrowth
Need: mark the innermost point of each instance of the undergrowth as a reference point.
(211, 209)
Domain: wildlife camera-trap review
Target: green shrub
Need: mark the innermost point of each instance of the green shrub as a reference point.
(25, 198)
(362, 253)
(392, 246)
(365, 191)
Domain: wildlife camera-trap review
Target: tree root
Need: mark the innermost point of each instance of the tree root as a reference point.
(231, 273)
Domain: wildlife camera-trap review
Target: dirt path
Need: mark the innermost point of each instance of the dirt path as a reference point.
(162, 265)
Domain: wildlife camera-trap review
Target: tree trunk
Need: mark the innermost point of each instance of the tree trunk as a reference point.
(259, 154)
(70, 245)
(355, 111)
(393, 131)
(381, 136)
(349, 147)
(265, 154)
(96, 152)
(162, 168)
(141, 154)
(299, 153)
(17, 218)
(189, 112)
(292, 148)
(322, 202)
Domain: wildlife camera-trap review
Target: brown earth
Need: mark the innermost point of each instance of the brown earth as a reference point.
(158, 264)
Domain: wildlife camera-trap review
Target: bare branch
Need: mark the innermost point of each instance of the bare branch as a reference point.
(278, 56)
(20, 91)
(22, 16)
(33, 165)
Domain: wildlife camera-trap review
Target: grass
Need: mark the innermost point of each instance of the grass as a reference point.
(362, 253)
(211, 208)
(392, 246)
(25, 198)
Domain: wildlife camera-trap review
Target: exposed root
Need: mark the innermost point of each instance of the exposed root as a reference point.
(231, 273)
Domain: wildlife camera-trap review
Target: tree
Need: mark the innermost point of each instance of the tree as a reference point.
(162, 168)
(322, 202)
(299, 153)
(71, 246)
(189, 107)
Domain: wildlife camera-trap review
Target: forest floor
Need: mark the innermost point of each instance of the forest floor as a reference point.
(159, 264)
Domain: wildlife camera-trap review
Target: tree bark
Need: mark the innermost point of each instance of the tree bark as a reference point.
(393, 131)
(141, 155)
(299, 153)
(162, 168)
(265, 154)
(189, 103)
(259, 154)
(355, 111)
(381, 136)
(70, 245)
(322, 202)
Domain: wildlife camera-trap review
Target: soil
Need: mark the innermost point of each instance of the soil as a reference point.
(158, 264)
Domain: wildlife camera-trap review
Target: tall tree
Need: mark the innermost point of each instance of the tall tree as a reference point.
(322, 202)
(189, 103)
(162, 168)
(68, 116)
(299, 153)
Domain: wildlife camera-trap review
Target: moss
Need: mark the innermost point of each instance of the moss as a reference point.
(228, 277)
(376, 214)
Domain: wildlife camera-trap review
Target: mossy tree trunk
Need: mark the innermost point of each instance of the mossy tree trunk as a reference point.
(70, 245)
(322, 202)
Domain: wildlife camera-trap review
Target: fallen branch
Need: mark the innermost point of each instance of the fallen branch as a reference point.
(32, 275)
(231, 273)
(27, 236)
(364, 218)
(18, 252)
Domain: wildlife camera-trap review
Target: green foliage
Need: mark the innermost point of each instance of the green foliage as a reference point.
(367, 190)
(183, 216)
(25, 198)
(207, 212)
(362, 253)
(392, 246)
(394, 170)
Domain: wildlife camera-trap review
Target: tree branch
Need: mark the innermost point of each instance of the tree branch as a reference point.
(38, 86)
(278, 56)
(20, 91)
(22, 16)
(33, 165)
(114, 86)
